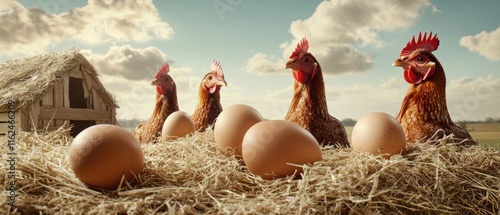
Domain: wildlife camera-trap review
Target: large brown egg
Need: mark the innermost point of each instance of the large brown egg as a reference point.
(378, 133)
(232, 124)
(102, 154)
(277, 148)
(178, 124)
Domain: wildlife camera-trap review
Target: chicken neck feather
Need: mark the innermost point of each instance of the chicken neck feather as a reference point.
(424, 109)
(309, 109)
(207, 109)
(149, 130)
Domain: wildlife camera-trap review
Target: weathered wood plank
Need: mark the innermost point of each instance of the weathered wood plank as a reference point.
(73, 114)
(66, 91)
(87, 80)
(4, 129)
(24, 121)
(33, 117)
(48, 99)
(87, 85)
(6, 116)
(59, 122)
(76, 72)
(59, 94)
(97, 100)
(4, 122)
(50, 128)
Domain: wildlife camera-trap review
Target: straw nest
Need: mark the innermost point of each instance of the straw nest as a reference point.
(191, 176)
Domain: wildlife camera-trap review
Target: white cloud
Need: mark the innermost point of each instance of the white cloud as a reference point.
(187, 87)
(135, 98)
(355, 101)
(262, 63)
(130, 63)
(485, 43)
(392, 83)
(336, 28)
(473, 99)
(29, 31)
(128, 72)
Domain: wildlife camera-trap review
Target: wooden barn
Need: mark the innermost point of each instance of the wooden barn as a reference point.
(52, 90)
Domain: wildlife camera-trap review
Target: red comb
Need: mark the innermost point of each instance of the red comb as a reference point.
(302, 47)
(429, 43)
(215, 66)
(164, 69)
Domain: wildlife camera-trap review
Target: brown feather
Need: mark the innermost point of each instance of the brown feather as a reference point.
(147, 131)
(207, 110)
(424, 109)
(309, 109)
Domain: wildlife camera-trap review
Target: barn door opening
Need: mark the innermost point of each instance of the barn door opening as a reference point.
(76, 93)
(77, 100)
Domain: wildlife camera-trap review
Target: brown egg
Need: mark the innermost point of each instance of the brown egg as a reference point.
(378, 133)
(274, 148)
(232, 124)
(101, 154)
(178, 124)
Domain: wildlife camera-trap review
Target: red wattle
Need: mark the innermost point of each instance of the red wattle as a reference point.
(412, 77)
(159, 90)
(300, 76)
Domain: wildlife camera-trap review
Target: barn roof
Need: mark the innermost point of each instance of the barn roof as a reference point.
(27, 80)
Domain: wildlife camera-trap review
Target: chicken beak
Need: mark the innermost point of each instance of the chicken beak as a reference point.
(291, 64)
(154, 82)
(400, 62)
(221, 83)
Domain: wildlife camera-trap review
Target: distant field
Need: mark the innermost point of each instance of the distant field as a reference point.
(487, 133)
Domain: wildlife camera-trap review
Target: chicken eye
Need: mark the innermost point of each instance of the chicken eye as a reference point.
(209, 77)
(307, 60)
(420, 59)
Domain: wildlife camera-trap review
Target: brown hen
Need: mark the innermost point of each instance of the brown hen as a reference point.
(424, 109)
(166, 103)
(309, 108)
(209, 107)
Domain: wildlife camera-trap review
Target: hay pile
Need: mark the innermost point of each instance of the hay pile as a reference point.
(29, 79)
(191, 176)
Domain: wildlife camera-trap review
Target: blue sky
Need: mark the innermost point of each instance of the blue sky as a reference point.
(354, 41)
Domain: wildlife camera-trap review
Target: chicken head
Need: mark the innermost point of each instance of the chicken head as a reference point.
(163, 82)
(416, 59)
(302, 63)
(214, 79)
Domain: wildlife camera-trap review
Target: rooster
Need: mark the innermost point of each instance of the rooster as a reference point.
(308, 107)
(209, 107)
(424, 109)
(166, 103)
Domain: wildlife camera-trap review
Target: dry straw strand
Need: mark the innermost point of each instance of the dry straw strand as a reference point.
(190, 176)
